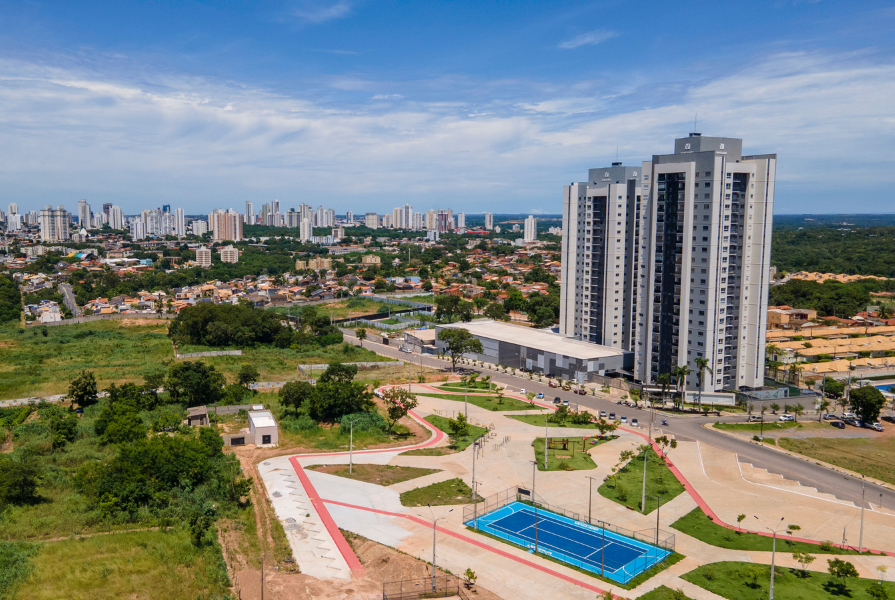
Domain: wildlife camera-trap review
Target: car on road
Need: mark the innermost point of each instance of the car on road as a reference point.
(635, 423)
(552, 384)
(754, 418)
(522, 391)
(603, 413)
(830, 417)
(407, 350)
(612, 416)
(557, 400)
(838, 424)
(565, 402)
(623, 419)
(540, 395)
(787, 418)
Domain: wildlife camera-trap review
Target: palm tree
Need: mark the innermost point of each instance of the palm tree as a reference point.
(701, 365)
(680, 374)
(664, 379)
(885, 312)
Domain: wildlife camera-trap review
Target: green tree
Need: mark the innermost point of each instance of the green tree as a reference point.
(337, 395)
(361, 333)
(804, 559)
(446, 307)
(457, 342)
(19, 479)
(62, 422)
(515, 300)
(119, 423)
(247, 375)
(398, 402)
(295, 394)
(82, 389)
(867, 402)
(841, 569)
(458, 428)
(195, 383)
(497, 312)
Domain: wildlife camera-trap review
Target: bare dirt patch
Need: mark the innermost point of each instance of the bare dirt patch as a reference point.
(379, 474)
(137, 322)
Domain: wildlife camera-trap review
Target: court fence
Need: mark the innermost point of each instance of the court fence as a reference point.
(654, 537)
(446, 586)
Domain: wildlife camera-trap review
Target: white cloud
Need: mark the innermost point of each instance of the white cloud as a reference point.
(387, 97)
(590, 38)
(315, 12)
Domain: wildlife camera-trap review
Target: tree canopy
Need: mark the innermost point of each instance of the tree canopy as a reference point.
(457, 342)
(212, 324)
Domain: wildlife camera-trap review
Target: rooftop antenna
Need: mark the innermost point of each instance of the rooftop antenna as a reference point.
(694, 120)
(616, 154)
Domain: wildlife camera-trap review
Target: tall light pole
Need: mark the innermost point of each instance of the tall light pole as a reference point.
(773, 549)
(351, 446)
(534, 502)
(434, 530)
(658, 507)
(861, 535)
(466, 396)
(590, 493)
(546, 437)
(649, 438)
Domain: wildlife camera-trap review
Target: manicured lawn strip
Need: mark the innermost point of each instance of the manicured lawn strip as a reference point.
(749, 581)
(452, 491)
(872, 456)
(378, 474)
(664, 593)
(769, 426)
(698, 525)
(454, 386)
(627, 485)
(579, 460)
(672, 559)
(148, 564)
(439, 451)
(538, 420)
(486, 402)
(461, 443)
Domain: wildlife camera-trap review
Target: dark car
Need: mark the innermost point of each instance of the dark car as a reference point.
(557, 400)
(581, 392)
(838, 424)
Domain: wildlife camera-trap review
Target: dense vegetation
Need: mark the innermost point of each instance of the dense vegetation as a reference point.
(864, 251)
(830, 298)
(10, 300)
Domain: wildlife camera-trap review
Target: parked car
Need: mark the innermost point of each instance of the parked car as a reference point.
(838, 424)
(623, 419)
(877, 427)
(612, 416)
(635, 423)
(581, 392)
(407, 350)
(540, 395)
(853, 422)
(557, 400)
(830, 417)
(787, 418)
(522, 391)
(565, 402)
(754, 418)
(552, 384)
(603, 413)
(849, 415)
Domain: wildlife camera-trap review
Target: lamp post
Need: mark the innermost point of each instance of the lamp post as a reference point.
(658, 507)
(534, 502)
(351, 446)
(546, 437)
(861, 535)
(590, 493)
(773, 549)
(434, 530)
(466, 397)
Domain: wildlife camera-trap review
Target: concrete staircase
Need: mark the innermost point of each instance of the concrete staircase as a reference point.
(761, 476)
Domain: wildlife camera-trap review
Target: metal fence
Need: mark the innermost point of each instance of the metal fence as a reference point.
(212, 353)
(446, 586)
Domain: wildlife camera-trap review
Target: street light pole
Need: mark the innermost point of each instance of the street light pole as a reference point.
(546, 438)
(658, 507)
(466, 397)
(773, 550)
(534, 502)
(590, 493)
(434, 530)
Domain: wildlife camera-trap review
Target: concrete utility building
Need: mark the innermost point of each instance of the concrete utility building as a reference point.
(542, 351)
(263, 428)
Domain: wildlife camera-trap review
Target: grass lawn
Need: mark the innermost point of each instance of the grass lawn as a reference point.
(486, 401)
(627, 484)
(479, 385)
(439, 451)
(566, 460)
(144, 565)
(664, 593)
(769, 426)
(872, 456)
(452, 491)
(748, 581)
(378, 474)
(443, 423)
(538, 420)
(340, 309)
(697, 524)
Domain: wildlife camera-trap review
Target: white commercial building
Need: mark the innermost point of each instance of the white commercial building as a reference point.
(530, 233)
(371, 220)
(137, 230)
(489, 221)
(116, 219)
(671, 260)
(54, 224)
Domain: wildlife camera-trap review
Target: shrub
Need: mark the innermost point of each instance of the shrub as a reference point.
(826, 545)
(298, 425)
(363, 422)
(621, 493)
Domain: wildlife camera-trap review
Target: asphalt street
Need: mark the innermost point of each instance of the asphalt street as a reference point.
(68, 297)
(686, 428)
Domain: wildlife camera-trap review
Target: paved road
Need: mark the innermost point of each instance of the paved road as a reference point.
(688, 428)
(68, 297)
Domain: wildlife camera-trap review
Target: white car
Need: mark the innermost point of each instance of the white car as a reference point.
(623, 419)
(565, 402)
(635, 423)
(603, 414)
(787, 418)
(522, 391)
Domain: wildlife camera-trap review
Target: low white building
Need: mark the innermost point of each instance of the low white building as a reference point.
(263, 428)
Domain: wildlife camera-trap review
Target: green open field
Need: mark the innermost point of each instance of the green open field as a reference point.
(378, 474)
(538, 420)
(873, 456)
(461, 443)
(33, 364)
(575, 458)
(748, 581)
(488, 402)
(145, 565)
(452, 491)
(769, 426)
(697, 524)
(627, 486)
(347, 308)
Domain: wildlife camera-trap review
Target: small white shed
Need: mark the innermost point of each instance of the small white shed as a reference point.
(263, 428)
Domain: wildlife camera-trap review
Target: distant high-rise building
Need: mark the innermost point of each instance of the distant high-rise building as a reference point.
(13, 222)
(444, 221)
(166, 208)
(199, 228)
(306, 232)
(229, 254)
(531, 229)
(431, 219)
(397, 218)
(83, 214)
(461, 220)
(54, 224)
(107, 208)
(670, 260)
(489, 221)
(250, 214)
(203, 256)
(292, 218)
(419, 221)
(116, 220)
(137, 230)
(371, 220)
(179, 223)
(227, 225)
(349, 217)
(13, 208)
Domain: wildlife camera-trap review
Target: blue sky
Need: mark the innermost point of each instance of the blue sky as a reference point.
(478, 106)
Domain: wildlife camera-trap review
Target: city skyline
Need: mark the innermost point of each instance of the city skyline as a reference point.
(205, 107)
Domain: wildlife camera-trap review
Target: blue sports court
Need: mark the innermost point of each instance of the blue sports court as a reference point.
(589, 547)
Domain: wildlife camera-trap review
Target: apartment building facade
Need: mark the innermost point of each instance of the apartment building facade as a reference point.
(671, 261)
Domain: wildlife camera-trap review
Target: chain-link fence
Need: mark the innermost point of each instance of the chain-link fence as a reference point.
(443, 586)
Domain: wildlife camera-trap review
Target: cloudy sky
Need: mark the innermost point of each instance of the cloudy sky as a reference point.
(478, 106)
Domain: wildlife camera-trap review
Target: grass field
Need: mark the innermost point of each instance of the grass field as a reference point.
(697, 524)
(872, 457)
(125, 351)
(538, 420)
(378, 474)
(452, 491)
(488, 402)
(664, 593)
(455, 386)
(627, 485)
(748, 581)
(143, 565)
(461, 443)
(565, 460)
(769, 426)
